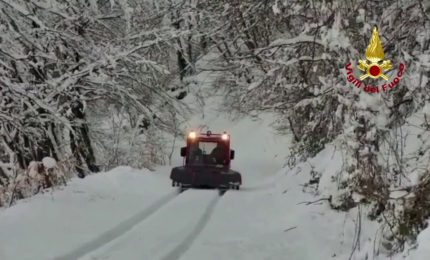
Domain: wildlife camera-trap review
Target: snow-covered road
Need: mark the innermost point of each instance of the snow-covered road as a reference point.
(167, 233)
(128, 214)
(136, 214)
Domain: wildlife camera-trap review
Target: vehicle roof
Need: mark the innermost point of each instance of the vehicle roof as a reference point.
(209, 138)
(211, 134)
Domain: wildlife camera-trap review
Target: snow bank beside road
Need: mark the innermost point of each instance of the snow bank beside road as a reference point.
(53, 224)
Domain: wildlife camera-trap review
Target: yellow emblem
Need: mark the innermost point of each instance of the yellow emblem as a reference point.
(375, 65)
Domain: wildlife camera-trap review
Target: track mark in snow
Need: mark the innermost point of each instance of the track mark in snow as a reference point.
(118, 230)
(180, 249)
(221, 192)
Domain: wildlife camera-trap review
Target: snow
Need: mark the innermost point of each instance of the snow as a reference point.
(94, 6)
(275, 8)
(295, 40)
(423, 250)
(54, 224)
(33, 169)
(158, 236)
(135, 214)
(128, 213)
(112, 3)
(334, 38)
(267, 221)
(49, 162)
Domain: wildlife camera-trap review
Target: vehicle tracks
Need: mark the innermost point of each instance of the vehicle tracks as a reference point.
(186, 243)
(123, 230)
(120, 229)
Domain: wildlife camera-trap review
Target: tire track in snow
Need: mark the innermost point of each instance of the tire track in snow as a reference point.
(120, 229)
(186, 243)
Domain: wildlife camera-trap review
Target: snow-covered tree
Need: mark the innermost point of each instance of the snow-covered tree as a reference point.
(290, 56)
(62, 61)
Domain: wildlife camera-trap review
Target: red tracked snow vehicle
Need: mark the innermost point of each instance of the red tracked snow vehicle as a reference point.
(207, 158)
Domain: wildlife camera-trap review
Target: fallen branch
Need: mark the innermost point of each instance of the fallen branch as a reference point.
(313, 202)
(291, 228)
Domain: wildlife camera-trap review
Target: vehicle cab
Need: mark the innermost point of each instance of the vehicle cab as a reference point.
(207, 149)
(207, 159)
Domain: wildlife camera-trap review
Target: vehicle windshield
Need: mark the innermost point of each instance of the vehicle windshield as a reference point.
(204, 153)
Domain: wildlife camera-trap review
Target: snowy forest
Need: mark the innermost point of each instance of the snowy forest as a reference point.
(88, 85)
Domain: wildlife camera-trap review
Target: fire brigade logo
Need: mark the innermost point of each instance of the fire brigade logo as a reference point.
(375, 66)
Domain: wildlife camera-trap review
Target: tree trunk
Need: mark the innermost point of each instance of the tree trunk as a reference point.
(81, 145)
